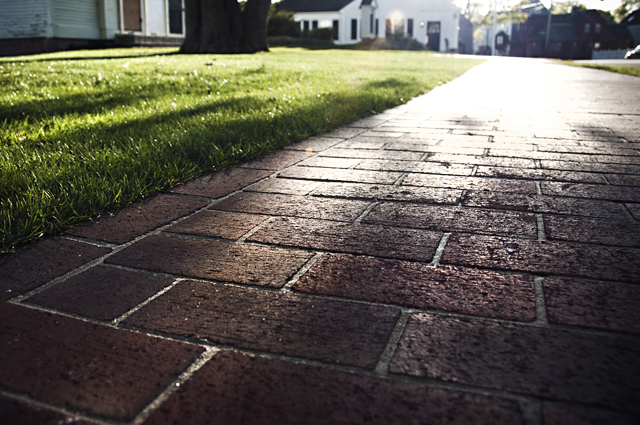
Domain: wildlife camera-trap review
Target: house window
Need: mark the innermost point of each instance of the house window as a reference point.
(370, 23)
(305, 27)
(387, 30)
(314, 24)
(377, 27)
(597, 28)
(410, 28)
(336, 26)
(175, 16)
(587, 28)
(354, 29)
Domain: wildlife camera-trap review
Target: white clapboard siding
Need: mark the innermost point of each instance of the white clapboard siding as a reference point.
(156, 18)
(23, 19)
(76, 19)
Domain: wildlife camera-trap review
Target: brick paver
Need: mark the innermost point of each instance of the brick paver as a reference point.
(471, 256)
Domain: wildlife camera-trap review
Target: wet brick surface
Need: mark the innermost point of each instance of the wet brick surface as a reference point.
(220, 184)
(470, 183)
(217, 224)
(467, 291)
(593, 230)
(542, 362)
(558, 258)
(54, 257)
(593, 304)
(88, 367)
(404, 244)
(415, 167)
(129, 223)
(332, 331)
(293, 206)
(450, 219)
(254, 265)
(238, 389)
(101, 293)
(390, 193)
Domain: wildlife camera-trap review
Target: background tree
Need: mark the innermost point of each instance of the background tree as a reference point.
(281, 23)
(225, 26)
(625, 8)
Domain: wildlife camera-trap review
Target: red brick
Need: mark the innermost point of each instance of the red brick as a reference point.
(544, 258)
(548, 156)
(415, 167)
(602, 305)
(591, 167)
(293, 206)
(373, 154)
(233, 388)
(544, 204)
(328, 330)
(543, 362)
(314, 144)
(53, 256)
(285, 186)
(102, 293)
(221, 184)
(18, 412)
(360, 142)
(86, 367)
(345, 132)
(355, 176)
(419, 147)
(391, 193)
(248, 264)
(597, 191)
(128, 223)
(217, 224)
(562, 414)
(622, 232)
(277, 160)
(470, 183)
(634, 209)
(466, 291)
(404, 244)
(329, 162)
(452, 219)
(482, 160)
(623, 179)
(540, 174)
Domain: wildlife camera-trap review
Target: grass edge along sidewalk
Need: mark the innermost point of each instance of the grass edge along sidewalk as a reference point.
(83, 133)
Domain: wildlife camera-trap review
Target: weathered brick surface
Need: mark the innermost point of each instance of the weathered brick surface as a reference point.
(540, 174)
(603, 305)
(467, 291)
(18, 412)
(314, 144)
(544, 258)
(593, 148)
(360, 142)
(548, 156)
(233, 388)
(539, 361)
(492, 161)
(451, 219)
(367, 239)
(545, 204)
(102, 293)
(470, 183)
(373, 154)
(40, 262)
(634, 209)
(92, 368)
(404, 146)
(329, 162)
(391, 193)
(356, 176)
(623, 179)
(294, 206)
(221, 184)
(254, 265)
(415, 167)
(277, 161)
(622, 232)
(129, 223)
(563, 414)
(591, 167)
(345, 132)
(218, 224)
(286, 186)
(332, 331)
(578, 190)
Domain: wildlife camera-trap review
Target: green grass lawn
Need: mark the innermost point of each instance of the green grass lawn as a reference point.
(87, 132)
(628, 70)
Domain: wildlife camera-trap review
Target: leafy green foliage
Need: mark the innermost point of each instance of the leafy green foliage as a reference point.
(82, 133)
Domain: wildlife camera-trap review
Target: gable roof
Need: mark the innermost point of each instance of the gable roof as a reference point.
(313, 5)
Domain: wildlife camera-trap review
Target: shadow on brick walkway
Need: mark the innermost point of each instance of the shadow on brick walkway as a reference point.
(470, 257)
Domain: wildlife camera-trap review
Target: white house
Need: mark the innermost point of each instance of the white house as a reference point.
(434, 23)
(32, 26)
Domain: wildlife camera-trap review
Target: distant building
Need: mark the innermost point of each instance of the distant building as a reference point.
(465, 36)
(431, 22)
(35, 26)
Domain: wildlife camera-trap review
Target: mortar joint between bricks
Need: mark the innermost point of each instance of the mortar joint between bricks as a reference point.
(474, 171)
(540, 227)
(485, 153)
(382, 368)
(538, 164)
(137, 307)
(250, 233)
(366, 212)
(606, 181)
(304, 269)
(541, 308)
(400, 179)
(175, 385)
(462, 195)
(438, 254)
(538, 187)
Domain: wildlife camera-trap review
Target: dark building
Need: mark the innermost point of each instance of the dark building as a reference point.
(465, 36)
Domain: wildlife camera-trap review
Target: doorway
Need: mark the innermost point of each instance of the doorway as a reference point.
(132, 14)
(433, 36)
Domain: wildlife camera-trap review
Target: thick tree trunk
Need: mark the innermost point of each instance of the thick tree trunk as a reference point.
(220, 26)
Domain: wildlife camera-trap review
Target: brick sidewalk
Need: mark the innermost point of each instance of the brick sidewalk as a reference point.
(470, 257)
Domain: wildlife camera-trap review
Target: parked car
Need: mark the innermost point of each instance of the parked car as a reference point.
(633, 54)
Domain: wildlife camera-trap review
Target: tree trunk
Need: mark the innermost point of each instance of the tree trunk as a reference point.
(220, 26)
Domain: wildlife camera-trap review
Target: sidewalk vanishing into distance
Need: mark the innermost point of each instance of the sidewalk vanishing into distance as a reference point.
(470, 257)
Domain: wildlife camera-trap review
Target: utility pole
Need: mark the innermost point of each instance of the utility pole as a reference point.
(493, 29)
(546, 40)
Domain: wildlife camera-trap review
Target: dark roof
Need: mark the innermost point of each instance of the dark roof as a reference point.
(313, 5)
(366, 3)
(632, 18)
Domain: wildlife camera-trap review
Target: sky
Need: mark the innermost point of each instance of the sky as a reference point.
(609, 5)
